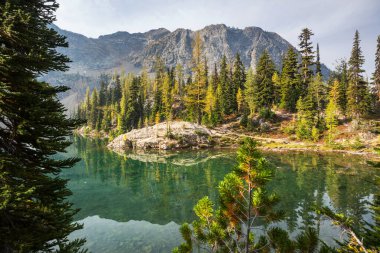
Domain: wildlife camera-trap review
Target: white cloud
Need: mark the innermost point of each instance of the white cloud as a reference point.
(333, 22)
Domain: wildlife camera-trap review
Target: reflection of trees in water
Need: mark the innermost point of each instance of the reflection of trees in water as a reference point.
(154, 191)
(162, 192)
(307, 180)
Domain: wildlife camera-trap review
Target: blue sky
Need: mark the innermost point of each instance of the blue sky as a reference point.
(332, 21)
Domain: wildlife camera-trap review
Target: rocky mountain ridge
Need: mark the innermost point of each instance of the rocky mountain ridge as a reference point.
(130, 52)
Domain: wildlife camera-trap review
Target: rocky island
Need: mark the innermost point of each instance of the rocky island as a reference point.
(165, 136)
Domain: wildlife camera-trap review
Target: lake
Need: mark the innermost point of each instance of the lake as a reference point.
(137, 201)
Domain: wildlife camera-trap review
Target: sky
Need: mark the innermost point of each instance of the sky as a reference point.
(332, 21)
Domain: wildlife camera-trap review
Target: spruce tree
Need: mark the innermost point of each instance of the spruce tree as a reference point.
(343, 85)
(215, 78)
(318, 91)
(376, 74)
(307, 59)
(290, 81)
(264, 83)
(34, 213)
(103, 94)
(116, 91)
(134, 114)
(93, 119)
(276, 80)
(179, 82)
(306, 117)
(357, 92)
(121, 122)
(318, 69)
(87, 103)
(238, 80)
(225, 86)
(157, 89)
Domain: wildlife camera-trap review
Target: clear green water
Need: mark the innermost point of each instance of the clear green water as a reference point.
(135, 202)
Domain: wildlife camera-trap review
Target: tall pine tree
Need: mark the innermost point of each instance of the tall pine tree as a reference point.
(357, 92)
(34, 213)
(238, 80)
(307, 58)
(318, 69)
(376, 74)
(264, 83)
(290, 81)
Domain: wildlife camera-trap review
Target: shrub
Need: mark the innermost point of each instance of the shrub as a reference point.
(266, 114)
(315, 134)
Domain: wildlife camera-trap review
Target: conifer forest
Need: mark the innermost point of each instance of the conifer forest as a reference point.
(220, 139)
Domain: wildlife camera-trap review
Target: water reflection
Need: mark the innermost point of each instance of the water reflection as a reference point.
(163, 188)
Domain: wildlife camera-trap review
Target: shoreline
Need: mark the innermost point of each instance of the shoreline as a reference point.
(309, 147)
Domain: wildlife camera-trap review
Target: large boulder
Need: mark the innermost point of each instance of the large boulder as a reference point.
(164, 136)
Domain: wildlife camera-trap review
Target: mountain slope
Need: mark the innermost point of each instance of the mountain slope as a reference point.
(133, 51)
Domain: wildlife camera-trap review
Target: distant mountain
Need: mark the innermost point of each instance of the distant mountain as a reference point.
(132, 51)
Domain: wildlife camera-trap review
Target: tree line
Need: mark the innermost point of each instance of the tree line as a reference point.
(212, 97)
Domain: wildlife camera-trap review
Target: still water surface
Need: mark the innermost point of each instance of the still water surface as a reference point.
(136, 202)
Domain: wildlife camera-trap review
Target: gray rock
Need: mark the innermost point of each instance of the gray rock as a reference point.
(163, 136)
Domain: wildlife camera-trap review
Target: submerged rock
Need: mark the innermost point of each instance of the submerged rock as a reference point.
(164, 136)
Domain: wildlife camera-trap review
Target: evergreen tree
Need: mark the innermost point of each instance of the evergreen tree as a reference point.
(357, 92)
(276, 80)
(318, 91)
(342, 76)
(134, 113)
(306, 117)
(290, 81)
(179, 82)
(167, 99)
(102, 102)
(264, 83)
(121, 122)
(215, 78)
(332, 110)
(87, 103)
(318, 69)
(238, 80)
(307, 59)
(157, 89)
(376, 74)
(106, 120)
(103, 94)
(116, 91)
(225, 95)
(34, 213)
(242, 200)
(94, 111)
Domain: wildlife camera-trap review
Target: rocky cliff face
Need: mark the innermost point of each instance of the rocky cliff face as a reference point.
(132, 51)
(218, 40)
